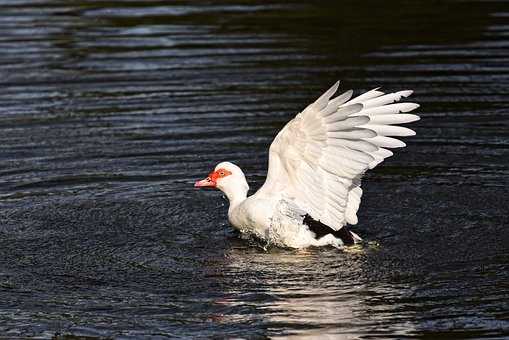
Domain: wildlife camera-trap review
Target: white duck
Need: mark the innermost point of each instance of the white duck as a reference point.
(316, 162)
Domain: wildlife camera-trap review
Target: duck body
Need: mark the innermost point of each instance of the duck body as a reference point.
(279, 221)
(316, 163)
(253, 216)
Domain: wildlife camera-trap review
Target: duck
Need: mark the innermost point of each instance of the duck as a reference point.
(312, 190)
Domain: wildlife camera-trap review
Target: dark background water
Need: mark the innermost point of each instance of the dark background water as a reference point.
(109, 110)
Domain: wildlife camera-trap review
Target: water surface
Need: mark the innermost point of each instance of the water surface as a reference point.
(109, 110)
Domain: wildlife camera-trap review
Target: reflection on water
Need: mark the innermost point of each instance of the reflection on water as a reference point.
(328, 301)
(109, 111)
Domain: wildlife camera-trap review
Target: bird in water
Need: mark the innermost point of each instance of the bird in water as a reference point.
(316, 162)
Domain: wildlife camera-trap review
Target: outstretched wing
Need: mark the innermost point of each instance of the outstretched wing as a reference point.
(319, 157)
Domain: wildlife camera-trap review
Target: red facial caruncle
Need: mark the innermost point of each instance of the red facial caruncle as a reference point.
(211, 180)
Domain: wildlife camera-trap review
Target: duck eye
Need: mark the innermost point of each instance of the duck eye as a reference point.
(221, 173)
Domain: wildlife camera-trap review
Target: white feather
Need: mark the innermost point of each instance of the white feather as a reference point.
(319, 157)
(360, 144)
(343, 112)
(390, 130)
(387, 142)
(354, 134)
(322, 102)
(390, 109)
(386, 99)
(347, 123)
(401, 118)
(365, 96)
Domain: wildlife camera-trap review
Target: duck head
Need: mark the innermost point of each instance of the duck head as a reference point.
(228, 178)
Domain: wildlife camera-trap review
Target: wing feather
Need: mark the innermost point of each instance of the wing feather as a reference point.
(365, 96)
(319, 157)
(360, 145)
(354, 134)
(347, 123)
(390, 130)
(390, 119)
(343, 112)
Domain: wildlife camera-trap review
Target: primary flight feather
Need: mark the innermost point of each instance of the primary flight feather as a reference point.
(316, 163)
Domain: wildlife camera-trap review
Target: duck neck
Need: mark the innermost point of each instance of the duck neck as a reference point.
(236, 195)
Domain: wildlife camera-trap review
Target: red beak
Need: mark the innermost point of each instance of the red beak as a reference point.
(207, 182)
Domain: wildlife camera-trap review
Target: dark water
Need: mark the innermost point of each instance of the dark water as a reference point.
(109, 110)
